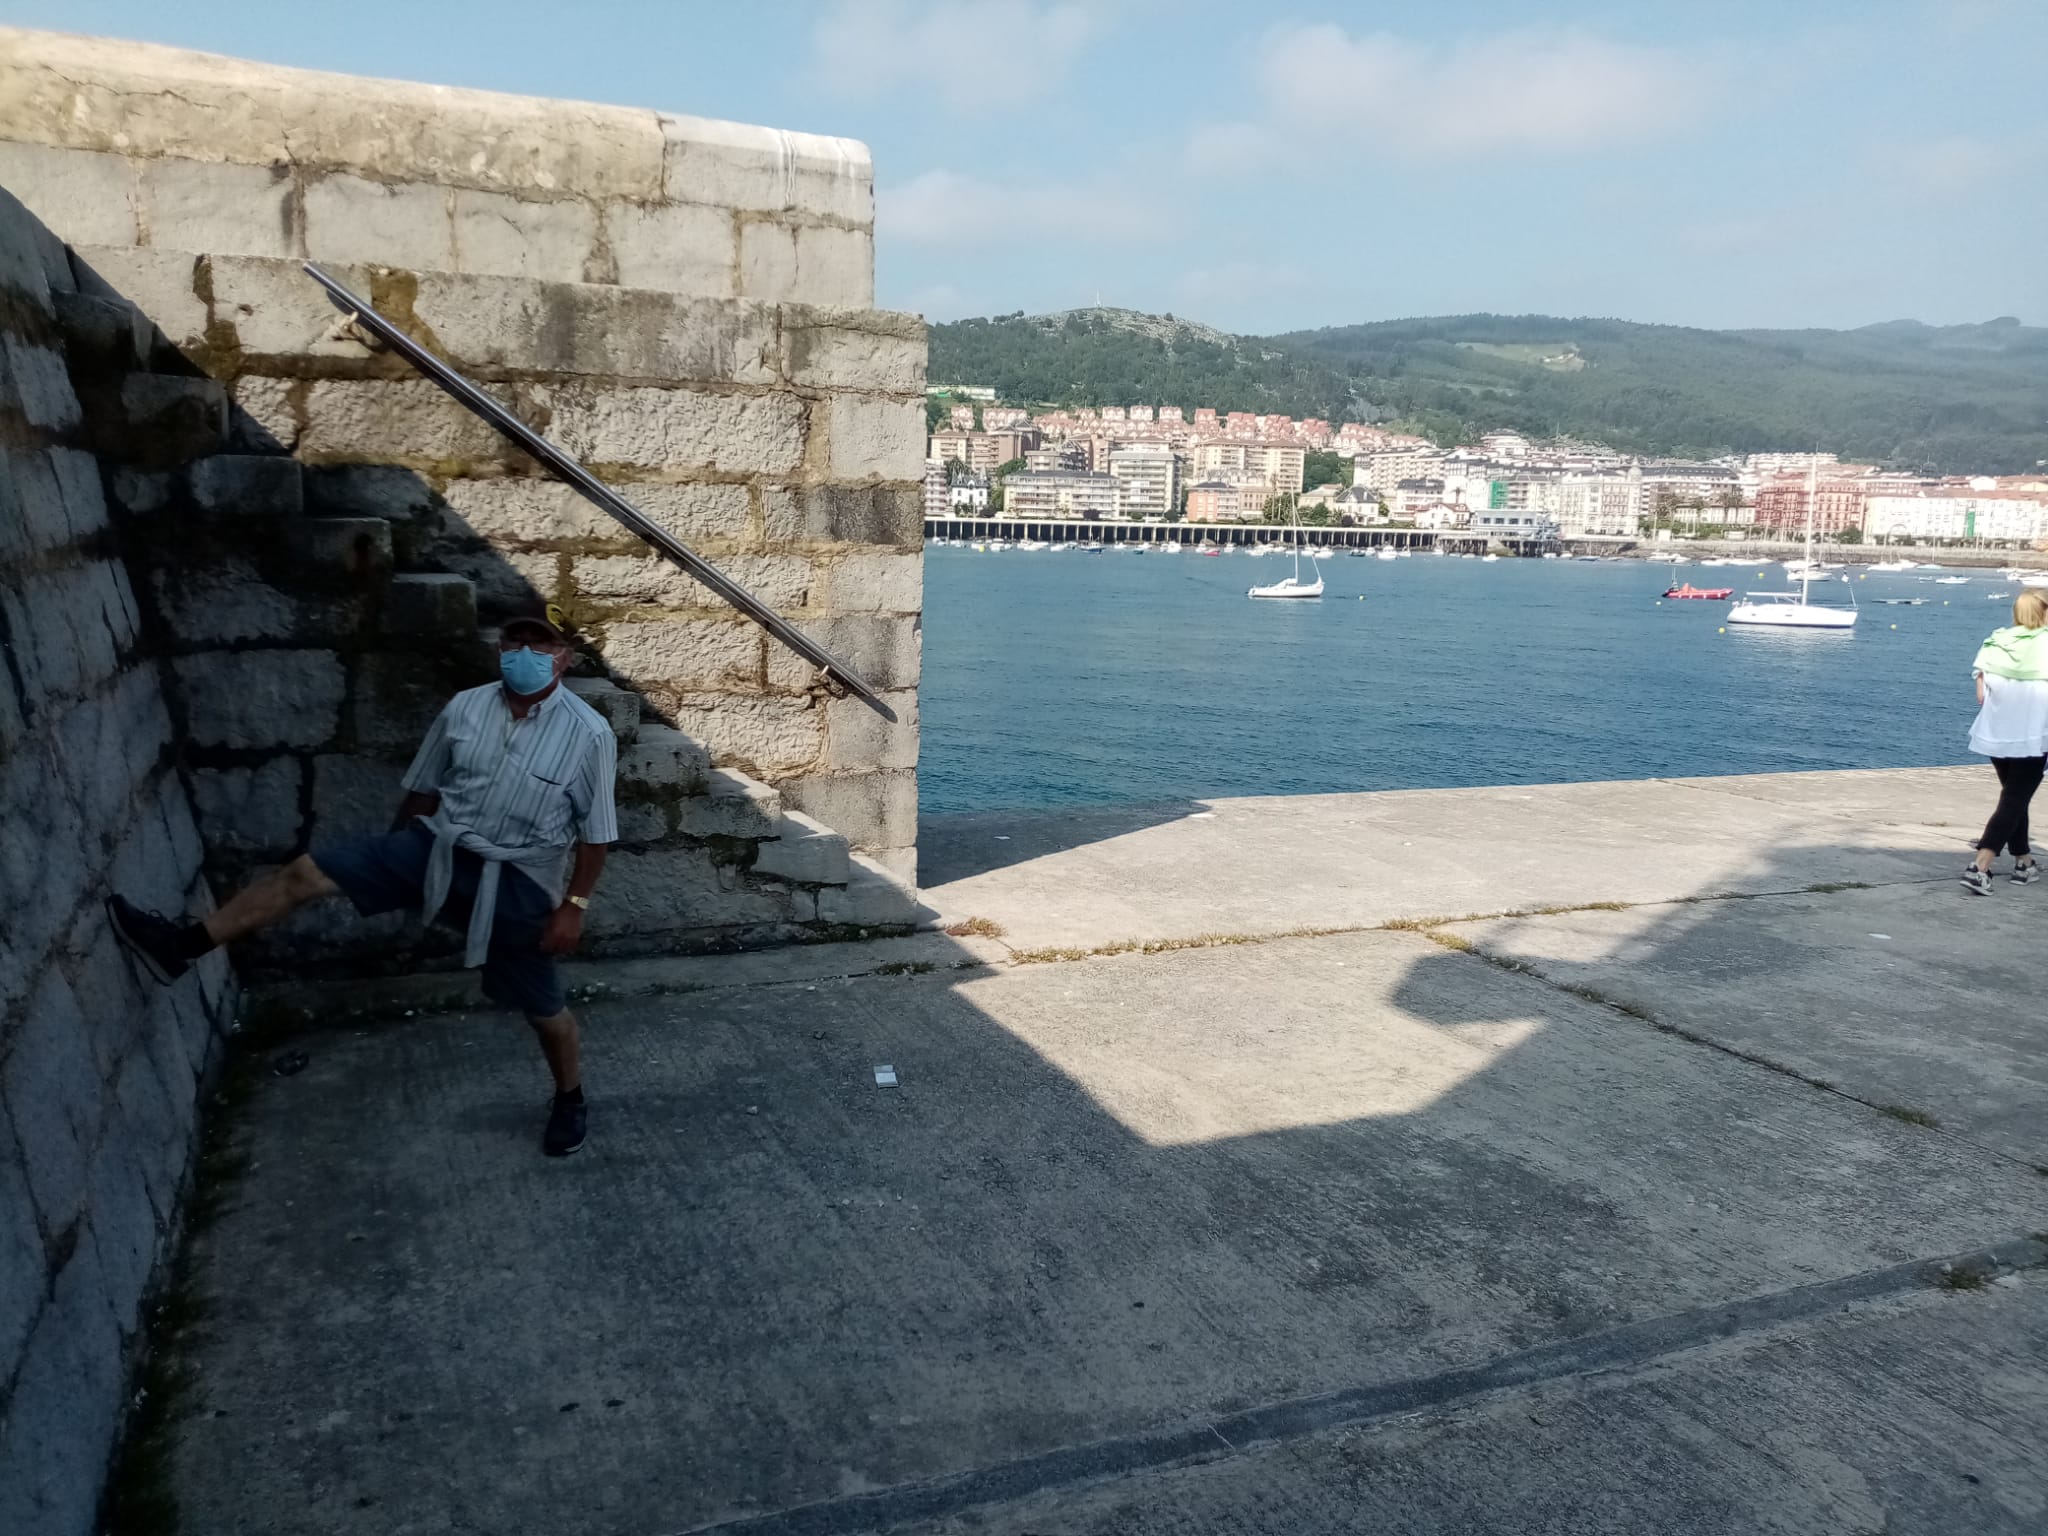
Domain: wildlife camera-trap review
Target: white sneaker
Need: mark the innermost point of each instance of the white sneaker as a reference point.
(2026, 872)
(1977, 881)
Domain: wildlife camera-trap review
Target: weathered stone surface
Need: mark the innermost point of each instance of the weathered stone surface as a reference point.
(124, 1222)
(673, 248)
(856, 737)
(875, 438)
(766, 170)
(870, 810)
(685, 653)
(682, 428)
(391, 224)
(619, 706)
(103, 336)
(900, 864)
(769, 737)
(171, 420)
(864, 349)
(22, 1276)
(506, 581)
(393, 420)
(805, 851)
(353, 797)
(205, 205)
(265, 415)
(352, 548)
(367, 490)
(51, 1089)
(518, 237)
(66, 1402)
(87, 197)
(807, 264)
(662, 763)
(667, 889)
(733, 804)
(531, 511)
(430, 606)
(261, 698)
(783, 582)
(40, 520)
(159, 283)
(41, 384)
(398, 694)
(249, 810)
(246, 486)
(650, 821)
(871, 898)
(68, 628)
(845, 514)
(875, 584)
(885, 651)
(223, 603)
(275, 310)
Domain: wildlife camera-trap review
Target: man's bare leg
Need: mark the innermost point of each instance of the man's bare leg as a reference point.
(271, 900)
(558, 1043)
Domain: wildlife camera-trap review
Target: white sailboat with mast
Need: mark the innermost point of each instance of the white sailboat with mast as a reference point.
(1792, 610)
(1292, 586)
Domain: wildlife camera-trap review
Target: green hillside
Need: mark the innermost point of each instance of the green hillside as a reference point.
(1937, 398)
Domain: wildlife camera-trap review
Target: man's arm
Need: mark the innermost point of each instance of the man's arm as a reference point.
(415, 804)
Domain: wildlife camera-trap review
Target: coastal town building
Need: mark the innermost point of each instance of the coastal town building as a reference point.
(935, 501)
(1977, 508)
(1228, 499)
(968, 494)
(1149, 473)
(1062, 493)
(1280, 465)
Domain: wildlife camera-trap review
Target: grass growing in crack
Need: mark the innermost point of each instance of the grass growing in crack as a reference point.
(1963, 1279)
(1166, 946)
(1910, 1115)
(976, 927)
(1451, 941)
(905, 968)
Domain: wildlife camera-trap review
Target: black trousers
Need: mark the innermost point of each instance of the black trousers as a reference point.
(2018, 778)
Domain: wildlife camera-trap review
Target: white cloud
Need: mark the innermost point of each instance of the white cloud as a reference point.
(947, 208)
(990, 53)
(1510, 92)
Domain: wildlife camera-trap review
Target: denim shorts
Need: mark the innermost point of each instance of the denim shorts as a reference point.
(389, 874)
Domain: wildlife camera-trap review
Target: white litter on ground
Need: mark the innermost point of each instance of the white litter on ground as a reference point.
(885, 1077)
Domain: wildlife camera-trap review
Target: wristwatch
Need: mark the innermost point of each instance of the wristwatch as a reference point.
(581, 903)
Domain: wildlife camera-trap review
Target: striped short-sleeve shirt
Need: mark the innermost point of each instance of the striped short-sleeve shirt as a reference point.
(541, 782)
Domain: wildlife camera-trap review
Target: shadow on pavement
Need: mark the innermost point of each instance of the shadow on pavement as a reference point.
(954, 847)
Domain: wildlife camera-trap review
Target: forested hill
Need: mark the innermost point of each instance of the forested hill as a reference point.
(1940, 398)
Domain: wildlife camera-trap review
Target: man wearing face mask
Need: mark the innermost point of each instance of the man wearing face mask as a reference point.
(503, 832)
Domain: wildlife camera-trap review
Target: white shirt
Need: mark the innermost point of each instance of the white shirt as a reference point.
(2013, 721)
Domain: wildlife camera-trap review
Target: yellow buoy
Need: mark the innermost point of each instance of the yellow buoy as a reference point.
(1895, 626)
(1724, 629)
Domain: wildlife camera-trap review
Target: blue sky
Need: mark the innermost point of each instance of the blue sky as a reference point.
(1271, 166)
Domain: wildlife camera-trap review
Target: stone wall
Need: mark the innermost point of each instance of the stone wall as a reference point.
(681, 303)
(100, 1073)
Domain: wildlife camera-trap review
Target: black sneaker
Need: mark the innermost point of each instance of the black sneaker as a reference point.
(1977, 881)
(2026, 872)
(567, 1123)
(165, 948)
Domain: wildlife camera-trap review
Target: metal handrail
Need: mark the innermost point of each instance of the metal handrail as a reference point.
(596, 491)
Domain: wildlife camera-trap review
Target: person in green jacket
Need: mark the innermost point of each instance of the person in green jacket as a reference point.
(2012, 730)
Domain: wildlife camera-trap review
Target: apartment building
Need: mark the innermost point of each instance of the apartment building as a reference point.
(1410, 496)
(1781, 503)
(1062, 494)
(1228, 499)
(1386, 468)
(1056, 456)
(1004, 418)
(1280, 465)
(983, 452)
(935, 501)
(1150, 475)
(960, 417)
(1594, 504)
(1978, 508)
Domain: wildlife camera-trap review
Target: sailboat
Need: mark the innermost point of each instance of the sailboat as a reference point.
(1791, 610)
(1292, 586)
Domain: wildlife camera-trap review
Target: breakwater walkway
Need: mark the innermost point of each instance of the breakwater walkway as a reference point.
(1661, 1156)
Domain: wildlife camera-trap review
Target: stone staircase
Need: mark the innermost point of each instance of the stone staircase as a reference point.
(312, 659)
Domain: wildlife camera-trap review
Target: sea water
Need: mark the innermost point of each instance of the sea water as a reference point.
(1062, 677)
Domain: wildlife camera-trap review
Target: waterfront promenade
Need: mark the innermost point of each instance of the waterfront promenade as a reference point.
(1648, 1156)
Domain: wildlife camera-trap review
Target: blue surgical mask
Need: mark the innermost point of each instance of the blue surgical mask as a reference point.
(526, 670)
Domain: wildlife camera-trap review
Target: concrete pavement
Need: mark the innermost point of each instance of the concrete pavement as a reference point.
(1374, 1230)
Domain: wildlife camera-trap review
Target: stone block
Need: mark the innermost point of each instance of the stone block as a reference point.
(662, 764)
(394, 420)
(221, 603)
(67, 628)
(42, 384)
(870, 810)
(732, 805)
(124, 1222)
(650, 822)
(673, 248)
(856, 738)
(682, 429)
(367, 490)
(80, 491)
(506, 581)
(875, 438)
(806, 264)
(766, 170)
(35, 264)
(356, 549)
(353, 797)
(103, 337)
(22, 1277)
(65, 1407)
(51, 1089)
(871, 898)
(157, 1127)
(404, 224)
(843, 514)
(169, 420)
(804, 851)
(619, 706)
(249, 810)
(670, 890)
(515, 237)
(264, 416)
(88, 752)
(768, 737)
(86, 197)
(900, 864)
(274, 310)
(875, 584)
(862, 349)
(141, 492)
(430, 606)
(696, 513)
(531, 512)
(685, 653)
(40, 519)
(217, 207)
(162, 284)
(781, 581)
(286, 698)
(398, 694)
(239, 485)
(883, 650)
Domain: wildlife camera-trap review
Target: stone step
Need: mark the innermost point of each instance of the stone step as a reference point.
(871, 898)
(731, 805)
(168, 419)
(804, 852)
(662, 764)
(428, 605)
(619, 706)
(344, 548)
(110, 336)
